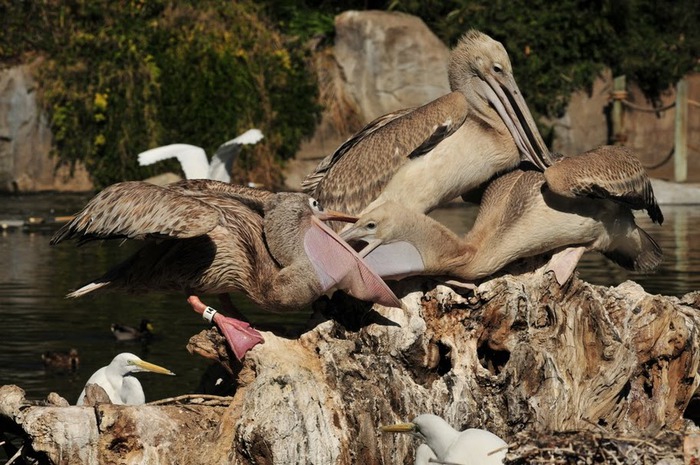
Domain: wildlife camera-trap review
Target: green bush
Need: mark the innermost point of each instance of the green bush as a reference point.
(122, 77)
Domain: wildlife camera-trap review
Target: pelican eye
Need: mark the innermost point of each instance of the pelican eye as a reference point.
(313, 203)
(497, 68)
(371, 225)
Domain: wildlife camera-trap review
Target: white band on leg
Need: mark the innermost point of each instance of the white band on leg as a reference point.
(208, 314)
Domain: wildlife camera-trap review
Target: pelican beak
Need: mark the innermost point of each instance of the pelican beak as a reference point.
(332, 215)
(505, 96)
(398, 428)
(358, 233)
(146, 366)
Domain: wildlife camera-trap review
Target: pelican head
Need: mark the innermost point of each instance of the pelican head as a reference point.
(480, 69)
(288, 216)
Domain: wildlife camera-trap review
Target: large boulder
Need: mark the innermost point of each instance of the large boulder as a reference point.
(25, 139)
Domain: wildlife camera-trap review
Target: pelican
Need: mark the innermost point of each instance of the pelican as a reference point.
(426, 156)
(117, 381)
(444, 444)
(193, 159)
(129, 333)
(61, 361)
(581, 203)
(212, 237)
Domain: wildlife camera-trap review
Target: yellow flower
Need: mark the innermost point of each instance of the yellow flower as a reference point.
(100, 102)
(100, 140)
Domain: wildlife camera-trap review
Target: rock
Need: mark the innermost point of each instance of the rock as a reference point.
(380, 62)
(389, 61)
(25, 139)
(673, 193)
(545, 367)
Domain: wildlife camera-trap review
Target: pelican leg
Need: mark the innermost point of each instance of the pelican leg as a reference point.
(564, 263)
(241, 337)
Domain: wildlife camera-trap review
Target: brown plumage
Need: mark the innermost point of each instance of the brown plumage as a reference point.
(61, 361)
(426, 156)
(613, 172)
(211, 237)
(520, 216)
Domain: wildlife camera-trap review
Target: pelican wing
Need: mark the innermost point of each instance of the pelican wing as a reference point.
(353, 176)
(611, 172)
(139, 210)
(193, 159)
(338, 266)
(210, 190)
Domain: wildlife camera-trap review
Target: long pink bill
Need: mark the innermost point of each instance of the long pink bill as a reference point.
(338, 266)
(241, 337)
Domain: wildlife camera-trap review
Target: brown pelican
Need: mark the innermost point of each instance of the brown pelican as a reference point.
(212, 237)
(587, 207)
(426, 156)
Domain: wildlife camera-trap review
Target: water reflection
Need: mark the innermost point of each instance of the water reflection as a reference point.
(36, 317)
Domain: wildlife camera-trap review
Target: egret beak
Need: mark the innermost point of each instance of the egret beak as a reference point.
(332, 215)
(398, 428)
(505, 96)
(146, 366)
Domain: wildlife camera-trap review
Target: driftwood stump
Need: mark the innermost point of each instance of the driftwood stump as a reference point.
(572, 374)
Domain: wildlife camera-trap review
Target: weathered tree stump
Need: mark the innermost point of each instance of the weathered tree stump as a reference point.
(570, 374)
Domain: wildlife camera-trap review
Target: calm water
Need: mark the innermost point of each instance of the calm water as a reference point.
(36, 318)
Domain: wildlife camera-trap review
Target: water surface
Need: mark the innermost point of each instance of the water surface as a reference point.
(34, 278)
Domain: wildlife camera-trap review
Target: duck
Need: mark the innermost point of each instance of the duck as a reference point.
(143, 332)
(61, 361)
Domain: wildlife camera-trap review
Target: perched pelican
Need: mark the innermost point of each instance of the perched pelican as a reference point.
(116, 379)
(426, 156)
(129, 333)
(444, 444)
(194, 161)
(521, 215)
(61, 361)
(213, 237)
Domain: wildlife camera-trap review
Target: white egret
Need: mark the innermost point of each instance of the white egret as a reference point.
(194, 161)
(449, 446)
(116, 379)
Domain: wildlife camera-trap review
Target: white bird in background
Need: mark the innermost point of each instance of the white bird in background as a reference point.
(443, 444)
(116, 379)
(194, 160)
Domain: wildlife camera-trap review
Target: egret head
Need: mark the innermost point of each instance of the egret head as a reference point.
(431, 429)
(126, 363)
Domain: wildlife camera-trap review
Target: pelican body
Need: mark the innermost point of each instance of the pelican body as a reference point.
(444, 444)
(193, 159)
(426, 156)
(522, 216)
(116, 379)
(213, 237)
